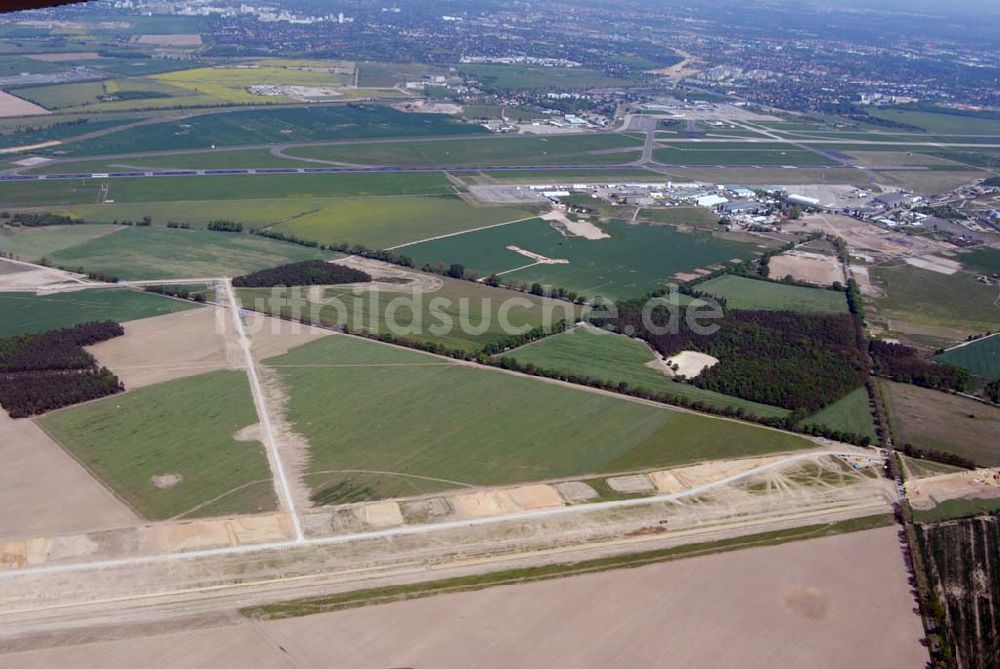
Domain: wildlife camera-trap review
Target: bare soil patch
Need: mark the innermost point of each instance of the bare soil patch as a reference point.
(380, 514)
(691, 363)
(543, 260)
(16, 277)
(579, 228)
(575, 491)
(173, 346)
(166, 481)
(11, 105)
(44, 491)
(805, 266)
(390, 277)
(274, 336)
(935, 264)
(926, 493)
(425, 107)
(630, 483)
(840, 601)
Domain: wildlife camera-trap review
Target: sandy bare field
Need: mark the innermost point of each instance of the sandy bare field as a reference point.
(166, 347)
(934, 264)
(926, 493)
(833, 602)
(425, 107)
(691, 363)
(805, 266)
(11, 105)
(44, 491)
(579, 228)
(273, 336)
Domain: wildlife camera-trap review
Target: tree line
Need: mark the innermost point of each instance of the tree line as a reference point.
(49, 370)
(304, 273)
(903, 364)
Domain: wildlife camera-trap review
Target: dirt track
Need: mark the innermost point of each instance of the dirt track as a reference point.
(832, 602)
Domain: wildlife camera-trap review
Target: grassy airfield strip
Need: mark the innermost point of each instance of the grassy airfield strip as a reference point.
(633, 261)
(218, 187)
(524, 150)
(25, 312)
(383, 422)
(170, 449)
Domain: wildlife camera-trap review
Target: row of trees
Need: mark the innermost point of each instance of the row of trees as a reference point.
(305, 273)
(903, 363)
(180, 292)
(50, 370)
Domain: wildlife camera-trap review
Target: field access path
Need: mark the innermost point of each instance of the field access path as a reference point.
(281, 483)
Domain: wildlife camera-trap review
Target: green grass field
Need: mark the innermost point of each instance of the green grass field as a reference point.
(850, 413)
(981, 357)
(26, 312)
(541, 150)
(387, 221)
(217, 187)
(138, 93)
(943, 123)
(52, 133)
(37, 243)
(743, 293)
(183, 427)
(633, 261)
(461, 425)
(616, 358)
(160, 253)
(955, 304)
(261, 126)
(423, 316)
(933, 419)
(984, 259)
(244, 158)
